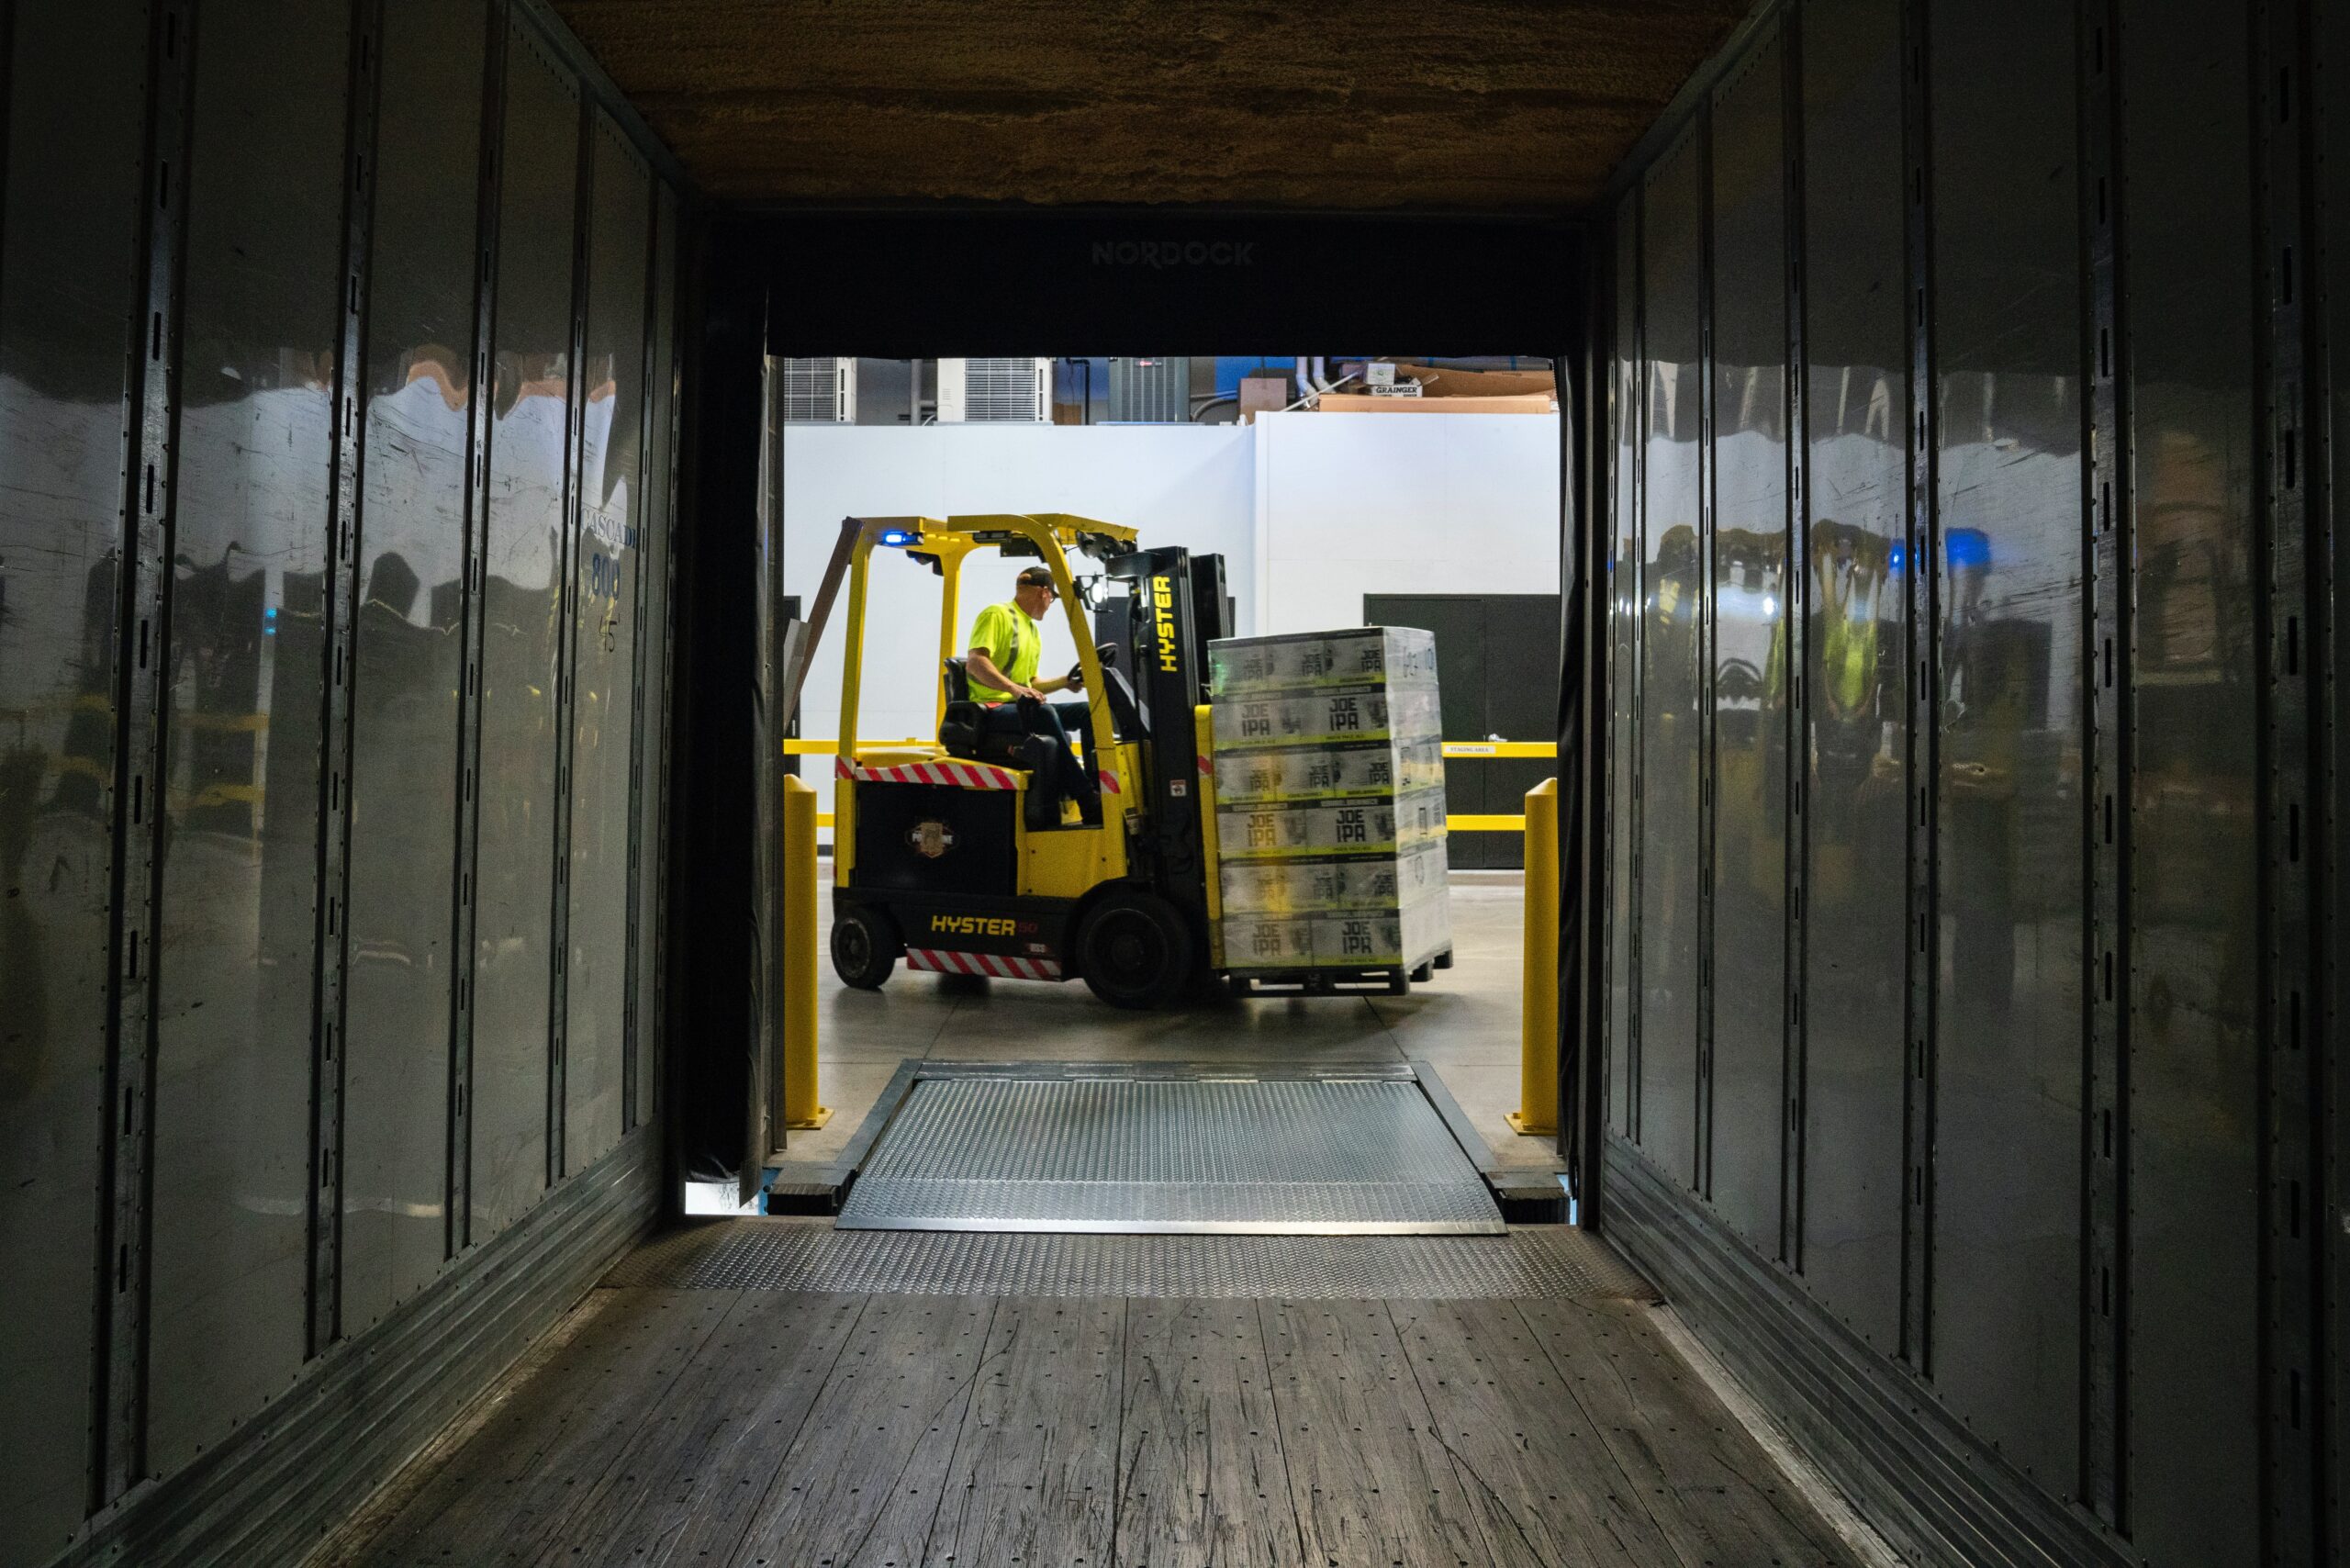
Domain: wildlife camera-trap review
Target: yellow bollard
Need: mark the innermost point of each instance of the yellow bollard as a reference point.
(797, 1019)
(1537, 1053)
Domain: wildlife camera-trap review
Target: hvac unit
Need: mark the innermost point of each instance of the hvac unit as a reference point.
(819, 391)
(1156, 391)
(995, 391)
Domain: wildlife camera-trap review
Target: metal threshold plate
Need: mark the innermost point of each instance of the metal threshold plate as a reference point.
(1270, 1156)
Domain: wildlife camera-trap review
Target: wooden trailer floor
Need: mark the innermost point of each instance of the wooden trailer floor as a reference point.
(725, 1423)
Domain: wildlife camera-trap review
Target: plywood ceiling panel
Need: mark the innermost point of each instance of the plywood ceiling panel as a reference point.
(1488, 105)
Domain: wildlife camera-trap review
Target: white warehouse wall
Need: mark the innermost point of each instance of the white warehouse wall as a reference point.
(1310, 511)
(1354, 504)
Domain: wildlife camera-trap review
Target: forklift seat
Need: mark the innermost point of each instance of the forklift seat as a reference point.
(1027, 735)
(958, 681)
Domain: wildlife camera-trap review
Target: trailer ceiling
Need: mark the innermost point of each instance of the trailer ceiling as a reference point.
(1491, 105)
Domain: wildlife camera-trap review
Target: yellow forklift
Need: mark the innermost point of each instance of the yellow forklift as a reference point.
(1029, 842)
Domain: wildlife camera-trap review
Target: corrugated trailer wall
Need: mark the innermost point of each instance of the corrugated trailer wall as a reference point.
(1974, 1028)
(337, 417)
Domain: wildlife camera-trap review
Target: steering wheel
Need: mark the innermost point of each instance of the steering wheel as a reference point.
(1105, 652)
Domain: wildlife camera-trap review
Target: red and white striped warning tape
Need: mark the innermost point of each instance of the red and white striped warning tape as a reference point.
(1002, 965)
(970, 775)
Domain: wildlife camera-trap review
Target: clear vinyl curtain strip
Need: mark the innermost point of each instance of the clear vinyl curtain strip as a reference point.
(1920, 721)
(1752, 680)
(2187, 1280)
(72, 249)
(2293, 518)
(331, 912)
(643, 599)
(471, 780)
(2330, 68)
(249, 705)
(141, 655)
(2109, 520)
(1792, 641)
(1852, 750)
(412, 663)
(1672, 612)
(2053, 838)
(525, 549)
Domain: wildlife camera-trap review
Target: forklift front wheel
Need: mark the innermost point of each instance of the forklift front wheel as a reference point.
(865, 949)
(1133, 950)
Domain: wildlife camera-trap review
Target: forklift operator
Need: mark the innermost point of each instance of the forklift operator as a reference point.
(1008, 639)
(1001, 667)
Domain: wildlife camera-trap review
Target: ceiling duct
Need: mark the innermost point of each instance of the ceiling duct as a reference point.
(819, 391)
(995, 391)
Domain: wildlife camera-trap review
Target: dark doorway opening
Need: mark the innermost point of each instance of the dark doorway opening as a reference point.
(1497, 658)
(971, 282)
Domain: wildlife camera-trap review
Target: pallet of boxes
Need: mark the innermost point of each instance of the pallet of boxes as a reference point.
(1329, 810)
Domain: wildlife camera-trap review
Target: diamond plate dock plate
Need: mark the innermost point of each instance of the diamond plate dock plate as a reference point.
(1555, 1262)
(1230, 1156)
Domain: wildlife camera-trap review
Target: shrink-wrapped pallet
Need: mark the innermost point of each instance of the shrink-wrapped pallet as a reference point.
(1330, 787)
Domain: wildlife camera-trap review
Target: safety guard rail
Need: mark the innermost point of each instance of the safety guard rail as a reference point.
(1467, 822)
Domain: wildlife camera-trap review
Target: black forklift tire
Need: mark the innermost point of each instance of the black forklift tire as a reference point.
(1133, 950)
(864, 947)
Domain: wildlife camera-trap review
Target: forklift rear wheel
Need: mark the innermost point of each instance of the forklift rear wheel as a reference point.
(865, 949)
(1133, 950)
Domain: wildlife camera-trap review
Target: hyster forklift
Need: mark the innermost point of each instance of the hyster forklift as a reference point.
(1026, 842)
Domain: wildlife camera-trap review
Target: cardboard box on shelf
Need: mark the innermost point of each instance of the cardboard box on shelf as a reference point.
(1264, 395)
(1367, 403)
(1439, 381)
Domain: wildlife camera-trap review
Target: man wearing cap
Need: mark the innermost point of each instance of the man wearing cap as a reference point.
(1001, 667)
(1008, 639)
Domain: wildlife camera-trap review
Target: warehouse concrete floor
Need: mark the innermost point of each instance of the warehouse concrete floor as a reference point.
(1464, 1022)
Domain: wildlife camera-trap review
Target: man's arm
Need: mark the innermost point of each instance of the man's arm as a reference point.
(980, 665)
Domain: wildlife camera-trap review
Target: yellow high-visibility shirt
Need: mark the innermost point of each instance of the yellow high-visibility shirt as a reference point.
(1013, 641)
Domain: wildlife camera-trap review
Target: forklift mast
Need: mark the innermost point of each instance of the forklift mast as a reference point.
(1174, 605)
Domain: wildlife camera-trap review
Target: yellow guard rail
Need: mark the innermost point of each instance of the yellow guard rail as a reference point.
(1537, 1051)
(1465, 822)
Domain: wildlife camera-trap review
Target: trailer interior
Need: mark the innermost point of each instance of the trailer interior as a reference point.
(541, 1024)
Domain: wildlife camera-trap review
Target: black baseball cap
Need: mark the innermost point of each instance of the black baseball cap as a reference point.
(1038, 577)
